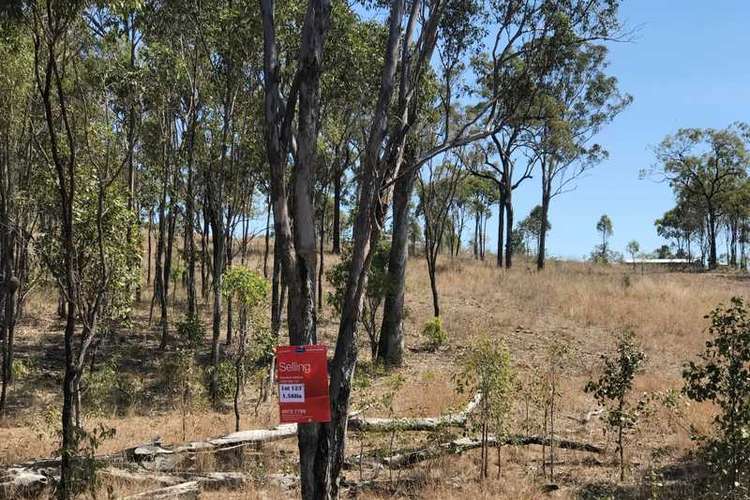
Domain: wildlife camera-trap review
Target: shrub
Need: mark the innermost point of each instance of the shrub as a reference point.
(225, 378)
(723, 378)
(435, 334)
(191, 332)
(613, 387)
(21, 368)
(100, 386)
(487, 370)
(251, 291)
(377, 286)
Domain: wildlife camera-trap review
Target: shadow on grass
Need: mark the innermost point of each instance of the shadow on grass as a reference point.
(687, 479)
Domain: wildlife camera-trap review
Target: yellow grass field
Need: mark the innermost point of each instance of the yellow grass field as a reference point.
(580, 306)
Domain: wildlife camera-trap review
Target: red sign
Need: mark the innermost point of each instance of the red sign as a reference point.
(302, 372)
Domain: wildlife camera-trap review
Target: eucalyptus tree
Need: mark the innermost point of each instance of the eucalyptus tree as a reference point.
(18, 166)
(296, 242)
(322, 446)
(437, 194)
(604, 227)
(455, 33)
(532, 227)
(481, 194)
(536, 40)
(681, 226)
(119, 28)
(353, 60)
(86, 249)
(51, 24)
(707, 165)
(578, 99)
(526, 41)
(159, 149)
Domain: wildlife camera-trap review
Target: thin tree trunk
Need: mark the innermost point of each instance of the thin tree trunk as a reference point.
(481, 236)
(321, 267)
(276, 301)
(190, 213)
(508, 231)
(268, 237)
(245, 230)
(10, 293)
(542, 250)
(150, 251)
(476, 235)
(433, 287)
(217, 269)
(159, 285)
(336, 230)
(204, 252)
(228, 263)
(500, 228)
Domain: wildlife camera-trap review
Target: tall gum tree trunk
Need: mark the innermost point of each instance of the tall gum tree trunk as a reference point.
(711, 239)
(433, 287)
(542, 250)
(159, 269)
(217, 270)
(267, 237)
(500, 230)
(508, 230)
(391, 342)
(190, 215)
(546, 199)
(476, 235)
(297, 252)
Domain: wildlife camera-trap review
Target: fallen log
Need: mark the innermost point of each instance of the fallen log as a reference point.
(207, 481)
(219, 480)
(358, 423)
(157, 459)
(461, 445)
(189, 490)
(18, 482)
(141, 477)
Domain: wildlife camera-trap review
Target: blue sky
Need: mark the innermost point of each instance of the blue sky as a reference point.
(686, 67)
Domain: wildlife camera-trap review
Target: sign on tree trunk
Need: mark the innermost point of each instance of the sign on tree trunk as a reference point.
(302, 373)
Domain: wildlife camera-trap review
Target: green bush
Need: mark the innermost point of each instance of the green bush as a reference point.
(487, 370)
(179, 374)
(21, 368)
(99, 387)
(434, 334)
(722, 377)
(377, 287)
(225, 379)
(191, 332)
(613, 388)
(262, 348)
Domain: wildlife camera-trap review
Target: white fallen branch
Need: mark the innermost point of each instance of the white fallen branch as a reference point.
(166, 459)
(461, 445)
(22, 481)
(157, 459)
(362, 424)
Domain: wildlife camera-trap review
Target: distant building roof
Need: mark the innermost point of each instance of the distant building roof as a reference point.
(658, 261)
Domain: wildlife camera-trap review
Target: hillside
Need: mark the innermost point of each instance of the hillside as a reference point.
(581, 307)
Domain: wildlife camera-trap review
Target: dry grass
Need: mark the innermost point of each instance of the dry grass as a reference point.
(580, 305)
